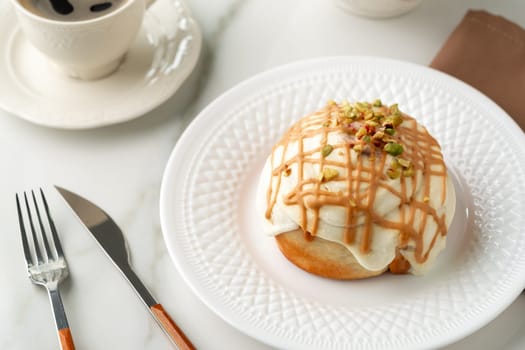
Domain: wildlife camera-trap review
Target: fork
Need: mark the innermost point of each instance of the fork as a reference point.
(44, 267)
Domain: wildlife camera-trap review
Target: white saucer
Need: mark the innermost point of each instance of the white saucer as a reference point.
(163, 55)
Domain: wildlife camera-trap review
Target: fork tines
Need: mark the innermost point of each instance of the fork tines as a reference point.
(46, 268)
(40, 241)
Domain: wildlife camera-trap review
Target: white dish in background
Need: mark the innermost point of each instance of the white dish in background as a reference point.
(378, 8)
(211, 227)
(163, 55)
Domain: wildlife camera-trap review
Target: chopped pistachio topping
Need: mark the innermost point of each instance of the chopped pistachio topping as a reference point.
(397, 120)
(346, 109)
(401, 166)
(394, 109)
(371, 123)
(392, 121)
(404, 163)
(326, 150)
(394, 164)
(362, 106)
(328, 174)
(378, 114)
(390, 131)
(393, 173)
(361, 132)
(408, 172)
(393, 148)
(369, 115)
(378, 135)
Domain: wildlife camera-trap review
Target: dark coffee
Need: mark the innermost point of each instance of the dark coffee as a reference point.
(71, 10)
(62, 7)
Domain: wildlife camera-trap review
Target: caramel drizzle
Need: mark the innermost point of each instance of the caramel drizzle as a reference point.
(419, 147)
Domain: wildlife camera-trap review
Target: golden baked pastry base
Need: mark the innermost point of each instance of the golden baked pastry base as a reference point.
(321, 257)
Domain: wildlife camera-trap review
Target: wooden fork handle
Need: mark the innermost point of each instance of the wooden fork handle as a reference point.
(65, 339)
(174, 332)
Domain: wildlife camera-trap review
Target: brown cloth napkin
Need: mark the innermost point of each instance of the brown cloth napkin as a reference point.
(488, 52)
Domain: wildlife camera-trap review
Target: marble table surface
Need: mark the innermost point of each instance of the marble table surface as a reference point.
(120, 167)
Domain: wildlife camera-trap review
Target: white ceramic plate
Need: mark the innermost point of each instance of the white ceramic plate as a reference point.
(163, 55)
(211, 227)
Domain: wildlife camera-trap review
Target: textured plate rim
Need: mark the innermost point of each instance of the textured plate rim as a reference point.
(188, 139)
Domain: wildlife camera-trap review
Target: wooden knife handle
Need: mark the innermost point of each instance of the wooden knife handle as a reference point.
(174, 332)
(65, 339)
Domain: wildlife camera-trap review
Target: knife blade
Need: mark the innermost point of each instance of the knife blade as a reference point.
(111, 239)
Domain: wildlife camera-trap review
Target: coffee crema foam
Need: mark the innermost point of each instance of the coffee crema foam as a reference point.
(71, 10)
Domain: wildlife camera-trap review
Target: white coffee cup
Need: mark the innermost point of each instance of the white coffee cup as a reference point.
(86, 48)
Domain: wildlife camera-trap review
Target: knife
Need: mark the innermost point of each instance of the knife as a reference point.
(110, 238)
